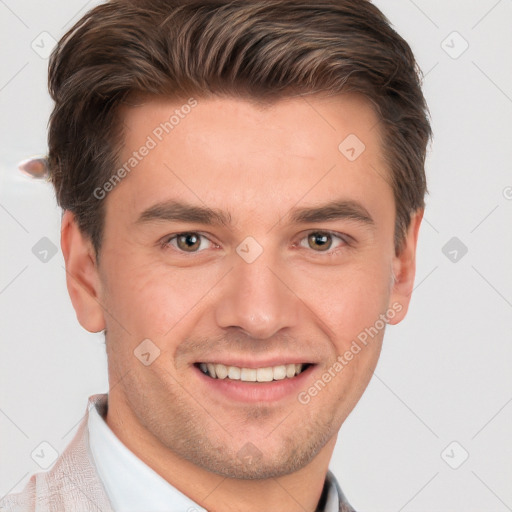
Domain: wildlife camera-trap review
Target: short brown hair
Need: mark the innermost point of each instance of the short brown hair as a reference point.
(262, 49)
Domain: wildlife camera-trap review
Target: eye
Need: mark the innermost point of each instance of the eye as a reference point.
(322, 241)
(189, 242)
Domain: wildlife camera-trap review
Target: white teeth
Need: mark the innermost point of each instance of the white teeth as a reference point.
(234, 372)
(290, 370)
(267, 374)
(211, 369)
(264, 374)
(279, 372)
(221, 371)
(248, 374)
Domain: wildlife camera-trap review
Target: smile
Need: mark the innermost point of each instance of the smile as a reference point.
(265, 374)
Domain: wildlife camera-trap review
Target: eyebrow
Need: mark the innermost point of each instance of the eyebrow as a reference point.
(179, 211)
(184, 212)
(335, 210)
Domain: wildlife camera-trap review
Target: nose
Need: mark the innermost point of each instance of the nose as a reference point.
(256, 298)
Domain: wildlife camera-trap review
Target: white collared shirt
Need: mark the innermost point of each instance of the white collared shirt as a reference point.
(132, 486)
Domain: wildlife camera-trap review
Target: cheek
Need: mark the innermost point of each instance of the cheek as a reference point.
(348, 300)
(150, 299)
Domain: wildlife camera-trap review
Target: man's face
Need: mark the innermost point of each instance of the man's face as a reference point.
(293, 263)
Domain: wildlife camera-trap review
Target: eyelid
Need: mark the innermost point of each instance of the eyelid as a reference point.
(346, 239)
(165, 242)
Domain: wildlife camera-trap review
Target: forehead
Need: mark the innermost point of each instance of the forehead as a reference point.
(224, 150)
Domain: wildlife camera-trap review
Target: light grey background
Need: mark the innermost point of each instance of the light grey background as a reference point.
(444, 375)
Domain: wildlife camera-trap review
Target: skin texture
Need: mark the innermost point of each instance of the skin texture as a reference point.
(255, 163)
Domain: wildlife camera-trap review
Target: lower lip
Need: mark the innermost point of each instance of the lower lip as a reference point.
(252, 392)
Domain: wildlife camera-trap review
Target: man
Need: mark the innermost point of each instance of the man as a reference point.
(242, 185)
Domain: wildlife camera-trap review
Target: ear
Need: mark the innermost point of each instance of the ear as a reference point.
(404, 271)
(82, 277)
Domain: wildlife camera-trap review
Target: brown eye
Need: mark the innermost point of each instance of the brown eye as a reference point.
(188, 242)
(320, 241)
(324, 241)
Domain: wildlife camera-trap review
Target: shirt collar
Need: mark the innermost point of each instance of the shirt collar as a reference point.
(132, 485)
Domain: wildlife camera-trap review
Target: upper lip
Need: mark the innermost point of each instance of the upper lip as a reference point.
(253, 363)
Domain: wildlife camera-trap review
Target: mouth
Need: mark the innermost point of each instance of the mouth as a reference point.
(243, 380)
(279, 372)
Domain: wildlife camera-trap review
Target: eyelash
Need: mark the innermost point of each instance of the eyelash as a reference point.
(346, 242)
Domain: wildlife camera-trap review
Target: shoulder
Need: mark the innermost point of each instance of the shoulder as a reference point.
(22, 501)
(72, 484)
